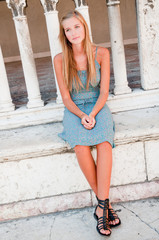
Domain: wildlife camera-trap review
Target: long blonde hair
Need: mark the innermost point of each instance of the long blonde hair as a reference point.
(69, 64)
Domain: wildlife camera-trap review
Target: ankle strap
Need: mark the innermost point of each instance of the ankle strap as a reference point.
(103, 203)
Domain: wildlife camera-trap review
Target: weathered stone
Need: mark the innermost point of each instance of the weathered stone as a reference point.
(41, 177)
(117, 47)
(17, 7)
(51, 16)
(128, 164)
(36, 164)
(148, 32)
(152, 159)
(50, 204)
(5, 97)
(45, 205)
(49, 5)
(26, 53)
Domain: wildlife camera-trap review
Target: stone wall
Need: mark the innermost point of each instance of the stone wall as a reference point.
(39, 173)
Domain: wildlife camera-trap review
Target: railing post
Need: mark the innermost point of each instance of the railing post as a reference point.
(82, 8)
(5, 97)
(148, 35)
(117, 46)
(52, 22)
(25, 47)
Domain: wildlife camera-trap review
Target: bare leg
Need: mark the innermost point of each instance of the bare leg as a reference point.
(104, 167)
(87, 165)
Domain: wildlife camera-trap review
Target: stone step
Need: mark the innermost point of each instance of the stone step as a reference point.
(43, 140)
(39, 172)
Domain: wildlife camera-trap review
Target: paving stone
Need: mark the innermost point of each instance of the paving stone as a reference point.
(80, 224)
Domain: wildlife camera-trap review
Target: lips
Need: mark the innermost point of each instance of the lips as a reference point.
(75, 38)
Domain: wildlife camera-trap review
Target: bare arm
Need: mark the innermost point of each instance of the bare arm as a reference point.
(105, 79)
(70, 105)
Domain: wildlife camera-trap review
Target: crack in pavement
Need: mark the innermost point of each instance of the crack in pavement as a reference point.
(140, 218)
(155, 220)
(52, 225)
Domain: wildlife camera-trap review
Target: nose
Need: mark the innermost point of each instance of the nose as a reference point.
(73, 33)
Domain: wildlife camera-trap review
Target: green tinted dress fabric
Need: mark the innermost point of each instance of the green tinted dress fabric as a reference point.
(73, 131)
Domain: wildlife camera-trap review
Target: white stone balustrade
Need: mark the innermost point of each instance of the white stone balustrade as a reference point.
(117, 47)
(148, 33)
(26, 53)
(148, 51)
(83, 9)
(52, 22)
(5, 97)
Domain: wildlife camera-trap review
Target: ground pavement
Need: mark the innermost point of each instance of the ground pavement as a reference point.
(140, 221)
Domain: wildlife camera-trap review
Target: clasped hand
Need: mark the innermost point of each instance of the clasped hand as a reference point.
(88, 121)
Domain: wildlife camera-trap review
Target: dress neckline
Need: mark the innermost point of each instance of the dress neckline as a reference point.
(96, 62)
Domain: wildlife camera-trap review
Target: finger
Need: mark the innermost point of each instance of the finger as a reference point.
(86, 122)
(87, 127)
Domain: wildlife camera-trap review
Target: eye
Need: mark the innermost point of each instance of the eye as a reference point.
(67, 30)
(77, 26)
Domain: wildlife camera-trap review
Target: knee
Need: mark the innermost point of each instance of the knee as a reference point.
(80, 148)
(105, 145)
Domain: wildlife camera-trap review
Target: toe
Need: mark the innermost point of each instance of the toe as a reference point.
(116, 221)
(102, 231)
(106, 232)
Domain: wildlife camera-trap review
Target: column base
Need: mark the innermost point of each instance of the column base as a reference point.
(118, 90)
(150, 86)
(7, 107)
(35, 103)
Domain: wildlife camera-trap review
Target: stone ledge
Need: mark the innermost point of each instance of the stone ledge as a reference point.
(43, 140)
(58, 174)
(76, 200)
(52, 112)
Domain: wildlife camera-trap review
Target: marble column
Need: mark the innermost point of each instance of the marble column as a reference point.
(52, 22)
(148, 40)
(5, 97)
(82, 8)
(26, 53)
(117, 47)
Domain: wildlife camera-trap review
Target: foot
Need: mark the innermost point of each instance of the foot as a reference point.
(99, 213)
(114, 220)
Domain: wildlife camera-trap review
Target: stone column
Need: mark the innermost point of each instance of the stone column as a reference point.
(52, 22)
(148, 38)
(82, 8)
(5, 97)
(117, 47)
(25, 47)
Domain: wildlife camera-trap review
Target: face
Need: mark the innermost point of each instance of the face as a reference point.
(74, 30)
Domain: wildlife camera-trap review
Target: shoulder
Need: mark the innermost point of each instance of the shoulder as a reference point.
(102, 51)
(58, 58)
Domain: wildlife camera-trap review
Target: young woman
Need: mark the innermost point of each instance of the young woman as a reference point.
(83, 74)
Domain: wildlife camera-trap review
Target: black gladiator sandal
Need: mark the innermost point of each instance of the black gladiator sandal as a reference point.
(112, 216)
(103, 222)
